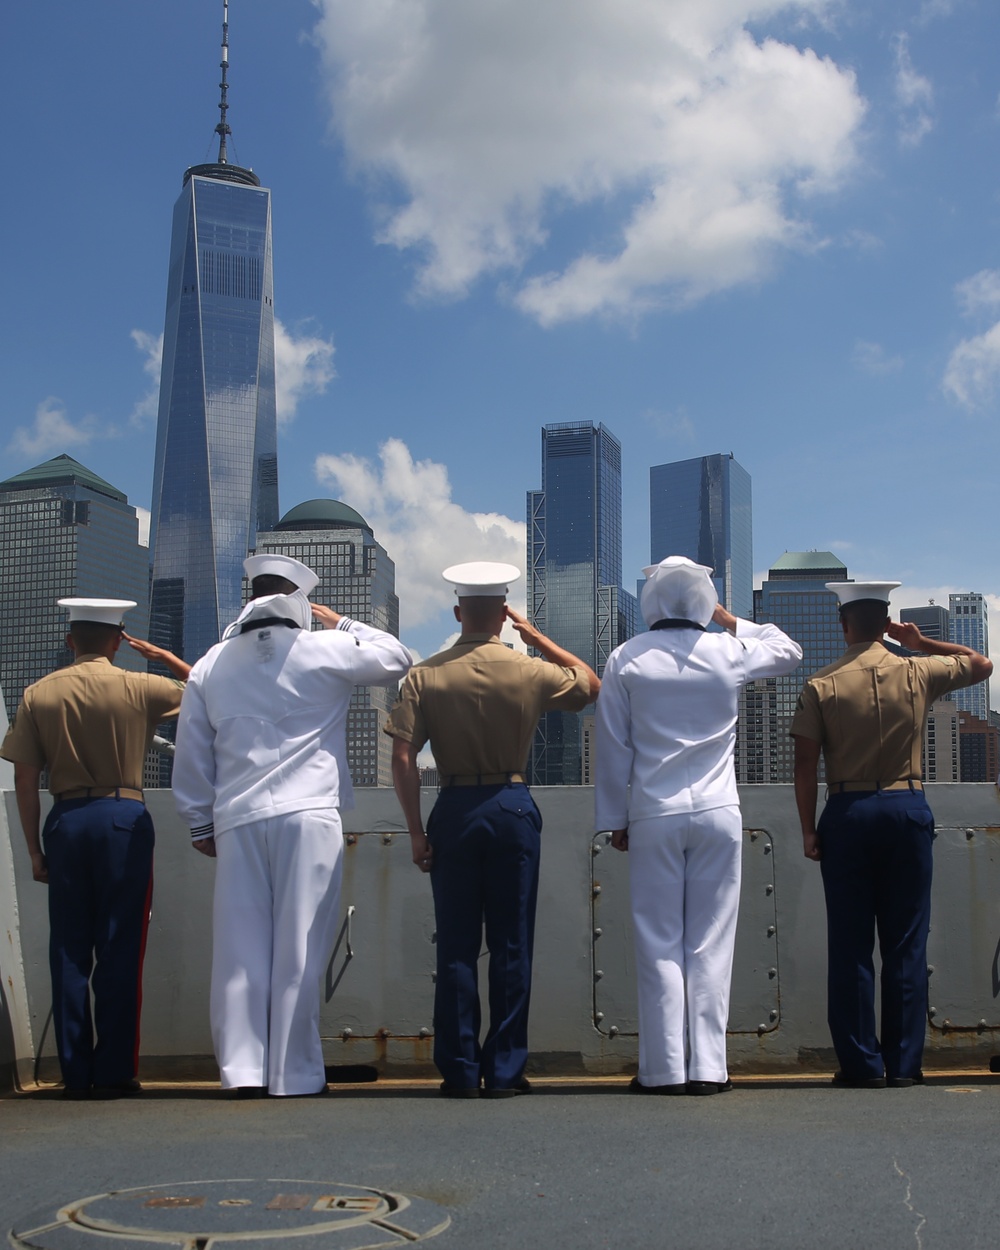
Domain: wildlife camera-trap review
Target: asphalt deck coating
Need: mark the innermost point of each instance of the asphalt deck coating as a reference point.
(779, 1162)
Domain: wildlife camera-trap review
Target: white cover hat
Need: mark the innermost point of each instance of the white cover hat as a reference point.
(851, 592)
(97, 611)
(678, 589)
(481, 577)
(299, 574)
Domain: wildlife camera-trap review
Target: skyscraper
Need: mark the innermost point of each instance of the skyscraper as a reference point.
(969, 626)
(932, 619)
(357, 578)
(64, 533)
(702, 509)
(574, 559)
(795, 598)
(215, 481)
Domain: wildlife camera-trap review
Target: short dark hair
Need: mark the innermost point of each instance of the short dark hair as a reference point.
(90, 636)
(271, 584)
(867, 617)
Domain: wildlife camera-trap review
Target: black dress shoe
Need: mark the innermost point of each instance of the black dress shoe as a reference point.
(247, 1092)
(635, 1086)
(709, 1087)
(458, 1091)
(122, 1089)
(857, 1082)
(508, 1091)
(76, 1093)
(904, 1082)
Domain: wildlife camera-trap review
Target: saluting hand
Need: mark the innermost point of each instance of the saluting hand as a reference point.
(529, 634)
(905, 633)
(326, 616)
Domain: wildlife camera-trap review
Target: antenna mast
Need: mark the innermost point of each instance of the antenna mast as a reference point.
(222, 129)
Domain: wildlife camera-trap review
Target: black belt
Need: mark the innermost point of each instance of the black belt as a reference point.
(851, 787)
(480, 779)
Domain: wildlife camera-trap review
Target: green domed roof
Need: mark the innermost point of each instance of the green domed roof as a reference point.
(322, 514)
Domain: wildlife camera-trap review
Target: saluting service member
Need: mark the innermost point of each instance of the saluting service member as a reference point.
(666, 788)
(478, 703)
(866, 713)
(91, 725)
(259, 773)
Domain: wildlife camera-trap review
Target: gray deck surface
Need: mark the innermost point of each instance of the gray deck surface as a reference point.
(781, 1163)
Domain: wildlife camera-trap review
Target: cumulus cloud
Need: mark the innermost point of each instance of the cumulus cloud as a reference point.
(52, 432)
(972, 375)
(980, 292)
(698, 144)
(914, 96)
(150, 347)
(144, 516)
(873, 358)
(410, 508)
(303, 365)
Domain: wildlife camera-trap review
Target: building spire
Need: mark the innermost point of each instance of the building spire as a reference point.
(222, 129)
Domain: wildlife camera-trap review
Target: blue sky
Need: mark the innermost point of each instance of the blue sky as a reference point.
(714, 225)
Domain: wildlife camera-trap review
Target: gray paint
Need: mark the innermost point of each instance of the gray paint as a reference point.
(583, 1003)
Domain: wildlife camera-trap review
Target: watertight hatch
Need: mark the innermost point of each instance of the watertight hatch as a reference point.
(755, 1004)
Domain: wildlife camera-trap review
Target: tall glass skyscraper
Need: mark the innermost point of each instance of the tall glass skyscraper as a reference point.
(64, 533)
(969, 625)
(795, 598)
(574, 559)
(215, 481)
(357, 578)
(702, 509)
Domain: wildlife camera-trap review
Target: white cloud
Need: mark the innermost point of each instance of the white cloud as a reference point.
(52, 432)
(144, 516)
(873, 358)
(980, 292)
(972, 375)
(675, 424)
(696, 142)
(914, 96)
(410, 508)
(303, 365)
(151, 348)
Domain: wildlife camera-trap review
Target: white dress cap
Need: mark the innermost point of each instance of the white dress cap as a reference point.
(98, 611)
(851, 592)
(299, 574)
(678, 589)
(481, 577)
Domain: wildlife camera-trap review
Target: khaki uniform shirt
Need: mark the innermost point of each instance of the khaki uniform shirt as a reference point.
(868, 710)
(479, 702)
(90, 724)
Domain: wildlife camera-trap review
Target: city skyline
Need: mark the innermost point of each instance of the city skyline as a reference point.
(829, 355)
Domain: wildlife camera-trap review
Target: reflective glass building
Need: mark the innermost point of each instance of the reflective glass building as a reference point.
(795, 598)
(64, 533)
(357, 578)
(574, 561)
(215, 480)
(969, 625)
(702, 509)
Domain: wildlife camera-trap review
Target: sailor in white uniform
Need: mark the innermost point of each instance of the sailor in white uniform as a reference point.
(666, 788)
(259, 773)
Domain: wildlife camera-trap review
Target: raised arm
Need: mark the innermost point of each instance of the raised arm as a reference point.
(551, 651)
(908, 635)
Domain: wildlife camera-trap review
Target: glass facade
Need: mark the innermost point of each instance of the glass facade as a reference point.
(793, 597)
(574, 558)
(702, 509)
(969, 626)
(215, 480)
(356, 578)
(64, 533)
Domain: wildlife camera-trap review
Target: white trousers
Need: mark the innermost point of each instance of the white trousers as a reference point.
(684, 873)
(277, 897)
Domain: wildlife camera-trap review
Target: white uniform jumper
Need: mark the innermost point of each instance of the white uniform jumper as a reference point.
(261, 764)
(666, 732)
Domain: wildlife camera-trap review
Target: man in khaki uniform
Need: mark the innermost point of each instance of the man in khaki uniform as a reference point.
(478, 704)
(91, 725)
(866, 714)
